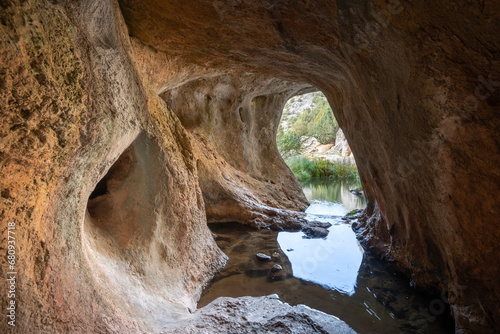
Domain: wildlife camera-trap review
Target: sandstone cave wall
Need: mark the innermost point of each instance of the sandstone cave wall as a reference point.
(414, 87)
(78, 122)
(233, 121)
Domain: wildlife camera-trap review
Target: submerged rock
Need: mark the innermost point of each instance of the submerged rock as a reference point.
(276, 268)
(278, 273)
(353, 215)
(316, 223)
(315, 232)
(263, 257)
(357, 192)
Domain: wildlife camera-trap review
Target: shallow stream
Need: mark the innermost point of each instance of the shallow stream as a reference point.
(332, 274)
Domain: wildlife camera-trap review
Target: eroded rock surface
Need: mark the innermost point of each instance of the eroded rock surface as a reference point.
(415, 88)
(122, 135)
(97, 175)
(261, 315)
(233, 122)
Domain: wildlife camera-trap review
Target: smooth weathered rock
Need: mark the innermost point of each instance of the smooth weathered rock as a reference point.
(276, 273)
(315, 232)
(260, 315)
(263, 257)
(233, 122)
(414, 86)
(341, 145)
(276, 268)
(97, 175)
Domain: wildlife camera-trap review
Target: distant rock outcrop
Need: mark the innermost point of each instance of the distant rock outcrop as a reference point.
(341, 147)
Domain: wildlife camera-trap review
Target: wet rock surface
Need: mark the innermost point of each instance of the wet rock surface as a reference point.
(379, 293)
(276, 268)
(413, 85)
(261, 315)
(315, 232)
(263, 257)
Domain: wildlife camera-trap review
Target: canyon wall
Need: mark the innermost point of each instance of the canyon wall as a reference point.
(122, 135)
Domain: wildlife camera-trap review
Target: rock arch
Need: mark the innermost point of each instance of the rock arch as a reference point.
(414, 85)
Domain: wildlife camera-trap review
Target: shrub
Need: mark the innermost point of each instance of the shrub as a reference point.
(317, 121)
(325, 126)
(304, 168)
(288, 142)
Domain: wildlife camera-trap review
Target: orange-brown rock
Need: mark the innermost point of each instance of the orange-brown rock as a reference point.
(415, 87)
(126, 126)
(98, 177)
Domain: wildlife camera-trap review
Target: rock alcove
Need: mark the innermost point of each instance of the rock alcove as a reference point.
(127, 125)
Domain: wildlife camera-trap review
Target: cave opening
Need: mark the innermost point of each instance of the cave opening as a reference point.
(311, 141)
(330, 273)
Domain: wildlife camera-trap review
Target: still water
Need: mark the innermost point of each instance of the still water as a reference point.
(332, 274)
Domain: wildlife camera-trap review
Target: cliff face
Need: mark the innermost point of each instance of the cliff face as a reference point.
(115, 150)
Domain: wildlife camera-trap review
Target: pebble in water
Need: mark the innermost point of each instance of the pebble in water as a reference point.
(263, 257)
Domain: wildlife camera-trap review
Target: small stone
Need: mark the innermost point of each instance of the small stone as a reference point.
(316, 223)
(276, 256)
(263, 257)
(315, 232)
(276, 268)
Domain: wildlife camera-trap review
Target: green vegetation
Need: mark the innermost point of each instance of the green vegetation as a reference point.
(352, 213)
(324, 187)
(325, 126)
(288, 142)
(317, 121)
(303, 168)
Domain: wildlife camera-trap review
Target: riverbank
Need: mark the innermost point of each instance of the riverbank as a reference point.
(305, 168)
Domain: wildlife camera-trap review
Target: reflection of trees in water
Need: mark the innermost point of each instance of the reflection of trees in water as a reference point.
(335, 191)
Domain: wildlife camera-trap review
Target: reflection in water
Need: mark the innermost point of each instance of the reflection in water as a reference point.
(332, 262)
(333, 193)
(332, 275)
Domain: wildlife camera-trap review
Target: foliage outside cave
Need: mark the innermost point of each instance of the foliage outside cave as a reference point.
(302, 120)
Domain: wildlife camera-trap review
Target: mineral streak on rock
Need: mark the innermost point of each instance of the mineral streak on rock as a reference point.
(127, 126)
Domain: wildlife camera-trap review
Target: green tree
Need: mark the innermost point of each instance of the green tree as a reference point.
(325, 126)
(317, 121)
(300, 127)
(288, 142)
